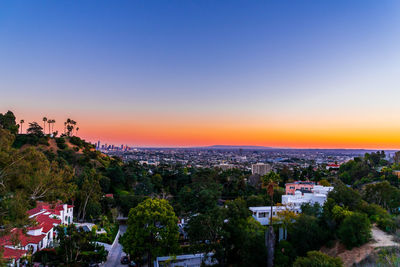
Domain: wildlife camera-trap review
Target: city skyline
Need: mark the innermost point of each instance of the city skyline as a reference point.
(316, 74)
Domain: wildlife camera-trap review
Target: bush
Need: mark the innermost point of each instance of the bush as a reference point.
(317, 259)
(61, 143)
(355, 230)
(387, 224)
(284, 254)
(76, 141)
(307, 234)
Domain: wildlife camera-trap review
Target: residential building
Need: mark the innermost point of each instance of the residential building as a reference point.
(190, 260)
(303, 186)
(260, 168)
(293, 202)
(18, 242)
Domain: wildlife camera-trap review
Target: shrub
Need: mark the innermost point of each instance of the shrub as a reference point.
(284, 254)
(355, 230)
(317, 259)
(387, 224)
(61, 143)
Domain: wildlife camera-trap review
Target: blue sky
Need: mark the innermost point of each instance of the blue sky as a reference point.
(218, 62)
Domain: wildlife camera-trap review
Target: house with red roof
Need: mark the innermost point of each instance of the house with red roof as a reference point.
(41, 235)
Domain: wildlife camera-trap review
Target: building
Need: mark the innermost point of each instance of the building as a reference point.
(263, 214)
(190, 260)
(303, 186)
(19, 243)
(260, 168)
(318, 195)
(63, 212)
(225, 166)
(332, 166)
(293, 202)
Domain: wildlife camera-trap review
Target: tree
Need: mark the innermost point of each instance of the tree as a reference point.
(397, 157)
(7, 121)
(324, 182)
(306, 234)
(76, 245)
(270, 181)
(243, 238)
(317, 259)
(40, 179)
(35, 129)
(152, 230)
(44, 125)
(355, 230)
(204, 230)
(383, 194)
(69, 125)
(89, 191)
(52, 125)
(21, 123)
(345, 196)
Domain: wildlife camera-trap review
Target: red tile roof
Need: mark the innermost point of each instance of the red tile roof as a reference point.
(34, 211)
(46, 222)
(9, 253)
(24, 239)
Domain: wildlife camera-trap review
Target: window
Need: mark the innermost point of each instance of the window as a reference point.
(263, 214)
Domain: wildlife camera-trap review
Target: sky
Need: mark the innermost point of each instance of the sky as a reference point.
(300, 73)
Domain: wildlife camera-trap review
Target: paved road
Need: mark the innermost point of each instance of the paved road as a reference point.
(114, 256)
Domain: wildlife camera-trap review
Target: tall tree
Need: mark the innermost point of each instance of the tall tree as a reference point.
(21, 122)
(7, 121)
(44, 124)
(270, 181)
(152, 230)
(35, 129)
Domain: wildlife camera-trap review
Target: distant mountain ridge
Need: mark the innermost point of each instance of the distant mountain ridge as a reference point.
(239, 147)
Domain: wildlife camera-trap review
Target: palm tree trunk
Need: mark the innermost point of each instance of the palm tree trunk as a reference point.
(270, 239)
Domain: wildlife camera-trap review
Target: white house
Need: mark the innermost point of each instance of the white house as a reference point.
(41, 235)
(190, 260)
(292, 202)
(262, 214)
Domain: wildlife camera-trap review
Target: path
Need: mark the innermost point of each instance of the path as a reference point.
(114, 256)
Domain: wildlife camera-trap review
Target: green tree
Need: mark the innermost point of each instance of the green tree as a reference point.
(204, 230)
(152, 230)
(306, 234)
(44, 124)
(35, 129)
(7, 121)
(355, 230)
(383, 194)
(317, 259)
(21, 122)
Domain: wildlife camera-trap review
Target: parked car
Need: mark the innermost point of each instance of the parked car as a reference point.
(124, 260)
(132, 264)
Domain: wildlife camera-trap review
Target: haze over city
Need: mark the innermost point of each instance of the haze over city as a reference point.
(315, 74)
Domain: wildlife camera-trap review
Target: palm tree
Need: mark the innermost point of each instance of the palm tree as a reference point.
(44, 125)
(21, 122)
(49, 122)
(270, 182)
(77, 129)
(52, 125)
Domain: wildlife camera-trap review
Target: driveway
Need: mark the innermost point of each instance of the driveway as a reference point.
(115, 254)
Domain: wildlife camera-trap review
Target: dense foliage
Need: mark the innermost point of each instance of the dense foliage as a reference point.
(214, 203)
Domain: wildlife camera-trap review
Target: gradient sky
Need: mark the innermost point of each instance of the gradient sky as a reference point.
(278, 73)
